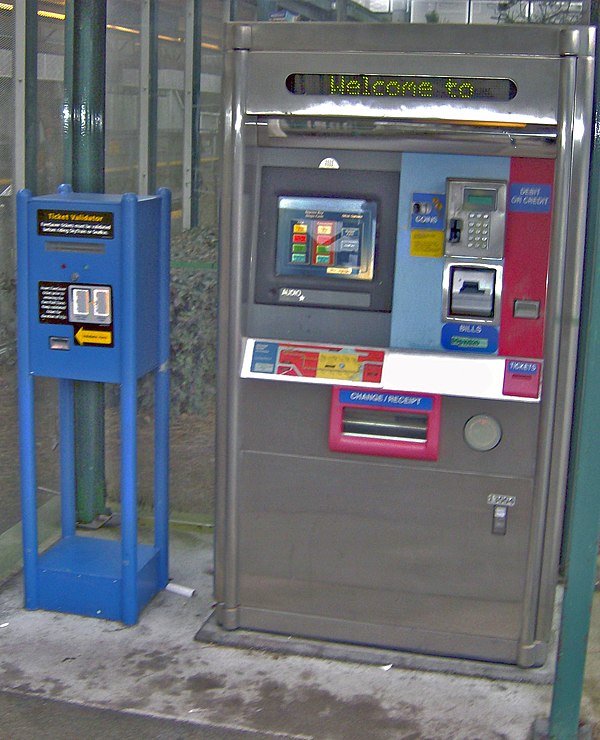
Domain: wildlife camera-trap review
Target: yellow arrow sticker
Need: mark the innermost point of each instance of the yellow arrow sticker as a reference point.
(93, 336)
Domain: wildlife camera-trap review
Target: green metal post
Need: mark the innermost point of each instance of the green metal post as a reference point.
(85, 55)
(582, 538)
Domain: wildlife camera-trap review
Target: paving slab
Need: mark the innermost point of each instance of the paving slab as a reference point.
(156, 669)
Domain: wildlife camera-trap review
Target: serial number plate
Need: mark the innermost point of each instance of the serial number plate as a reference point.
(495, 499)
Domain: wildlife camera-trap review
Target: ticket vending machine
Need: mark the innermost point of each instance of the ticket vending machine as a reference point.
(403, 222)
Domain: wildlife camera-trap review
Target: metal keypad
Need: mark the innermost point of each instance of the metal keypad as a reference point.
(478, 234)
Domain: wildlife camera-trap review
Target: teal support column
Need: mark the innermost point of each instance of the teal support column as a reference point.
(85, 55)
(582, 537)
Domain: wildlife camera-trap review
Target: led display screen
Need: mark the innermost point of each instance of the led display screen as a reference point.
(480, 199)
(402, 86)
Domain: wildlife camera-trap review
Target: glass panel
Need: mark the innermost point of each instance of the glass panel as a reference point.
(50, 174)
(415, 11)
(49, 103)
(170, 103)
(211, 65)
(122, 96)
(445, 11)
(9, 477)
(543, 12)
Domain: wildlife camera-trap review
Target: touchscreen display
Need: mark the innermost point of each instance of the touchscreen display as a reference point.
(333, 237)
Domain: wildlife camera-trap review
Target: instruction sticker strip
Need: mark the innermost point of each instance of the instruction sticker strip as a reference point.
(312, 363)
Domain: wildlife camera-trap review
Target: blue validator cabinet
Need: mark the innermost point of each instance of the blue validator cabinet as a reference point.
(93, 305)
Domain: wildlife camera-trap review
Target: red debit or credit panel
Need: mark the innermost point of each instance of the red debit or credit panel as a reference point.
(526, 256)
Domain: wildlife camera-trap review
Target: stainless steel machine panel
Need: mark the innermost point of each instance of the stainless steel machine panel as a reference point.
(535, 102)
(444, 540)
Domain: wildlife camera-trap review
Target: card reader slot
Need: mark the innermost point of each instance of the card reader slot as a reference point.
(78, 247)
(384, 424)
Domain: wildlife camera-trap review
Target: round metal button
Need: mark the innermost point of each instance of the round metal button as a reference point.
(482, 432)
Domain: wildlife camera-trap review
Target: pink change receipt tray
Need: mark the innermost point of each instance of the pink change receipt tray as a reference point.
(386, 423)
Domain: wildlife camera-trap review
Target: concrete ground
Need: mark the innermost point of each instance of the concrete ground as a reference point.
(63, 676)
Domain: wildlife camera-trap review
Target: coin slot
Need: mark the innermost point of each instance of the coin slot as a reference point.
(59, 343)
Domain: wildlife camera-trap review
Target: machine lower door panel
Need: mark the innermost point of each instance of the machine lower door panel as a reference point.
(382, 554)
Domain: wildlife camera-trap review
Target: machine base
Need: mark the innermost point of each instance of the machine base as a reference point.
(82, 575)
(291, 645)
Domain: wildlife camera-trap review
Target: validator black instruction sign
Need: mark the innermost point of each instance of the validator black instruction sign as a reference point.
(75, 224)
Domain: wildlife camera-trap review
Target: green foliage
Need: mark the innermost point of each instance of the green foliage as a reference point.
(193, 320)
(8, 342)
